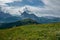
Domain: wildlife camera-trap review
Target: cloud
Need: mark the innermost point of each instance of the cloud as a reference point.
(51, 8)
(52, 3)
(7, 1)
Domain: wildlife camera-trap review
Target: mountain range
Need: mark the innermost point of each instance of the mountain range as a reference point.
(8, 18)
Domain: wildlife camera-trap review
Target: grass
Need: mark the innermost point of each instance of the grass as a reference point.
(32, 32)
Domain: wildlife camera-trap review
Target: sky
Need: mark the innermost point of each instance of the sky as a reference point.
(38, 7)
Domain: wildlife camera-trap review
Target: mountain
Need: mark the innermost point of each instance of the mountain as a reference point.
(49, 19)
(6, 17)
(26, 14)
(44, 19)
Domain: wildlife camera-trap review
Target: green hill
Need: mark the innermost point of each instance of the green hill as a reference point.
(32, 32)
(17, 23)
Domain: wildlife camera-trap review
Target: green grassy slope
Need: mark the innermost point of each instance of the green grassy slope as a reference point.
(32, 32)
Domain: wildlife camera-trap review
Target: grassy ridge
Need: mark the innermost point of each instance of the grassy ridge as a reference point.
(32, 32)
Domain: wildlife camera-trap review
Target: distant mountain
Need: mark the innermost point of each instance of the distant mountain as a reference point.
(26, 14)
(44, 19)
(6, 17)
(49, 19)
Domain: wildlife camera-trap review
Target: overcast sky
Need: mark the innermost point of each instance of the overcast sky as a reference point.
(44, 7)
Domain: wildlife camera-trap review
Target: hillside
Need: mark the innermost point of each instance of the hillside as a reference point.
(32, 32)
(17, 23)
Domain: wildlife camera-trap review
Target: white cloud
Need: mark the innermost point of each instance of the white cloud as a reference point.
(51, 8)
(7, 1)
(52, 3)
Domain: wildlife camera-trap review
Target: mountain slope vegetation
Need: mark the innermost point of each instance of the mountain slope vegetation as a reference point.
(49, 31)
(18, 23)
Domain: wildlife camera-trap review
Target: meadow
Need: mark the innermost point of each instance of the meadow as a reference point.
(50, 31)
